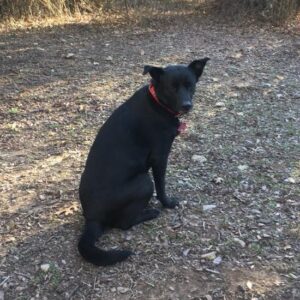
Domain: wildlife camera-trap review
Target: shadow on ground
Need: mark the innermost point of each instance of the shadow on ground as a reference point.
(244, 127)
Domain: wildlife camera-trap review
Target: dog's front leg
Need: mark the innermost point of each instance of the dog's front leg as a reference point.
(159, 167)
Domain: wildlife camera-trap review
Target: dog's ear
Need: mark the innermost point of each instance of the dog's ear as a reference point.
(197, 66)
(155, 72)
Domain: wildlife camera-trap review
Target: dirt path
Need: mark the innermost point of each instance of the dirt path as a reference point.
(244, 132)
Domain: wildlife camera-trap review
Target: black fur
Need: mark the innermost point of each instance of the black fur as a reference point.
(116, 187)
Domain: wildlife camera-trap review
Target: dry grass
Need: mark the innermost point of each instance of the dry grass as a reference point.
(108, 15)
(45, 8)
(62, 20)
(16, 11)
(27, 8)
(276, 11)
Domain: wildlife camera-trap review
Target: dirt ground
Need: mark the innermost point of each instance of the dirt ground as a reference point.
(236, 169)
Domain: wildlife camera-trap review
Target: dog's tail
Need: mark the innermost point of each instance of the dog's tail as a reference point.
(86, 246)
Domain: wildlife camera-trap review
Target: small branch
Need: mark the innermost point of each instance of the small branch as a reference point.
(211, 271)
(2, 283)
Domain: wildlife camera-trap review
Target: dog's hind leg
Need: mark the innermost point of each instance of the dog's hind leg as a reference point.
(135, 211)
(131, 216)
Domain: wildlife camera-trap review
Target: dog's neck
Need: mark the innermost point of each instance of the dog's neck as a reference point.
(156, 100)
(181, 125)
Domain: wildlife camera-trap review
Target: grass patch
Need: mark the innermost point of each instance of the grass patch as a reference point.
(13, 111)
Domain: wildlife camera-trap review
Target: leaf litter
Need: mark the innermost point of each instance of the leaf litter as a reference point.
(239, 158)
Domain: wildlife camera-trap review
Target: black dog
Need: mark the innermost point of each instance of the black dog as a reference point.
(116, 187)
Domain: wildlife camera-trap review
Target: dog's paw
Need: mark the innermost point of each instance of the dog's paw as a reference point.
(152, 212)
(170, 203)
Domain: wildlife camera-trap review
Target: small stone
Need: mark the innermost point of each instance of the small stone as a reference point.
(42, 197)
(109, 58)
(249, 285)
(113, 289)
(266, 236)
(199, 158)
(186, 252)
(264, 188)
(122, 290)
(255, 211)
(11, 239)
(128, 237)
(171, 288)
(217, 260)
(69, 55)
(220, 104)
(142, 52)
(265, 221)
(208, 207)
(290, 180)
(45, 267)
(233, 94)
(217, 180)
(95, 63)
(239, 241)
(208, 297)
(243, 167)
(266, 84)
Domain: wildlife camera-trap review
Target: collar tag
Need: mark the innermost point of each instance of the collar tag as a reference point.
(182, 127)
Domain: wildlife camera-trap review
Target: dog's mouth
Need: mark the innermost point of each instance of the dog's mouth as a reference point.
(185, 110)
(182, 112)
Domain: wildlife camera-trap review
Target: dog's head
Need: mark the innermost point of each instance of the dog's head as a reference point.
(175, 85)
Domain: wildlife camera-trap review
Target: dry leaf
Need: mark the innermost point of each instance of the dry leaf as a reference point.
(69, 210)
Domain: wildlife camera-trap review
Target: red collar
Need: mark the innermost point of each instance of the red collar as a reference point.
(182, 125)
(154, 97)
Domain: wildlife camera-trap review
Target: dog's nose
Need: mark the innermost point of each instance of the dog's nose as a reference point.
(186, 107)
